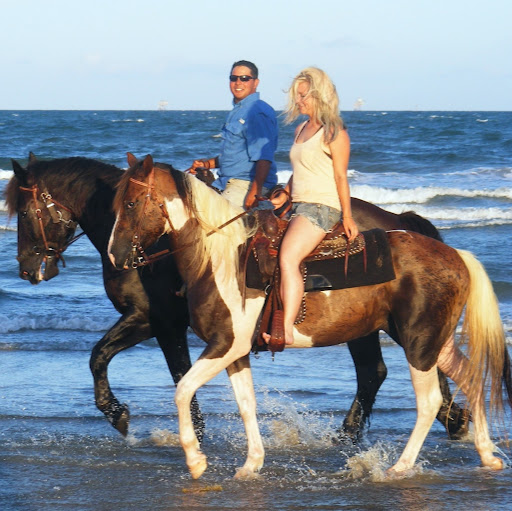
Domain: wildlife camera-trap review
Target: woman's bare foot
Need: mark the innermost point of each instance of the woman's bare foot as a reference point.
(266, 337)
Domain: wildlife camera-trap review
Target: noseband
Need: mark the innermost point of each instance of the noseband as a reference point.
(57, 217)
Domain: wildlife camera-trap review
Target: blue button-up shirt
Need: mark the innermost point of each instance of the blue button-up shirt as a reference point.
(249, 135)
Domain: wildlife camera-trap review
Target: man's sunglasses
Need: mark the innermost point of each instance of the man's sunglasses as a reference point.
(243, 78)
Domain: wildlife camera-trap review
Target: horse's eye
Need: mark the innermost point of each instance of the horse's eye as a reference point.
(130, 205)
(23, 214)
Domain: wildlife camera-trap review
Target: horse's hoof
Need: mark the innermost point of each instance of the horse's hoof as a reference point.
(123, 423)
(458, 426)
(120, 419)
(246, 473)
(198, 467)
(399, 470)
(494, 463)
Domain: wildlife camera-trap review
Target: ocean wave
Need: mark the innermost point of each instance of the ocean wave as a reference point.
(6, 174)
(470, 216)
(128, 120)
(86, 343)
(48, 345)
(84, 323)
(501, 172)
(423, 194)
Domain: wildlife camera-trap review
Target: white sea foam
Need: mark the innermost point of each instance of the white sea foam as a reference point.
(6, 174)
(422, 194)
(128, 120)
(8, 228)
(398, 200)
(467, 217)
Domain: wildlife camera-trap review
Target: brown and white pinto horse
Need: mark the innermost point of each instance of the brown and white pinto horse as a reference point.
(419, 309)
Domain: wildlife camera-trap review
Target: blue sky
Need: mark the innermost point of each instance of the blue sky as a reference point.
(130, 54)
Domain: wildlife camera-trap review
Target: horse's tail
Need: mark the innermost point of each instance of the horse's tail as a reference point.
(412, 222)
(487, 352)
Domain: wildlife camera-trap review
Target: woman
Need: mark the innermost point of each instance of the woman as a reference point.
(318, 186)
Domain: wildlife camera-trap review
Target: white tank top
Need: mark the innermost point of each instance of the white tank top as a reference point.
(313, 172)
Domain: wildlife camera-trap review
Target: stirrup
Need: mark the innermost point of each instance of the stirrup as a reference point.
(276, 342)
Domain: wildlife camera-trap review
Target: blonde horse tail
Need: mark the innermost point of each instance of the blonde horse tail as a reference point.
(489, 361)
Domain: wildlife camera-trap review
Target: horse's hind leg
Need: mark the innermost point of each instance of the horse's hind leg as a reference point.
(453, 362)
(453, 417)
(371, 373)
(428, 402)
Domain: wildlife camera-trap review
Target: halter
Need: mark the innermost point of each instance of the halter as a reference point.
(57, 217)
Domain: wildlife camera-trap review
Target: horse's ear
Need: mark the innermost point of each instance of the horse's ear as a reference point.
(19, 172)
(132, 160)
(31, 157)
(147, 165)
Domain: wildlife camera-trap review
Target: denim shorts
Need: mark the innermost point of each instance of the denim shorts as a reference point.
(320, 215)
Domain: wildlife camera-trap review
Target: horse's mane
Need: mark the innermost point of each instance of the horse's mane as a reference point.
(211, 211)
(71, 181)
(11, 194)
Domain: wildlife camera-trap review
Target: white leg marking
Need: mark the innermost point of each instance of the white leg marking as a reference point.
(428, 403)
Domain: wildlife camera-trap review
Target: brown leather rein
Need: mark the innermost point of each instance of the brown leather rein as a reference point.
(57, 217)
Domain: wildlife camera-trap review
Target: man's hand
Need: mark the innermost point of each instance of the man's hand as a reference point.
(251, 197)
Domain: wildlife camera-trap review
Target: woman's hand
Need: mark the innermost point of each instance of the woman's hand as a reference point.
(350, 228)
(279, 199)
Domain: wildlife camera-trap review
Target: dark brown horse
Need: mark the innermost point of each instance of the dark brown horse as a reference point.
(50, 199)
(80, 190)
(419, 309)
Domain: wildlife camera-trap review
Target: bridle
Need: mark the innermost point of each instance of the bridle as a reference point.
(54, 209)
(139, 257)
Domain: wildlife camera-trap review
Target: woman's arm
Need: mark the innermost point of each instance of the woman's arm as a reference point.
(340, 152)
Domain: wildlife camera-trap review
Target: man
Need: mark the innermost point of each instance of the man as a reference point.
(249, 140)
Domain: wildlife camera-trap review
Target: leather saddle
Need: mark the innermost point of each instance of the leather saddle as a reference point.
(262, 250)
(327, 267)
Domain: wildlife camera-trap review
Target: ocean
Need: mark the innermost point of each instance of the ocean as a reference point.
(57, 451)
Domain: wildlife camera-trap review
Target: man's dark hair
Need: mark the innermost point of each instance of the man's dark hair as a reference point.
(246, 63)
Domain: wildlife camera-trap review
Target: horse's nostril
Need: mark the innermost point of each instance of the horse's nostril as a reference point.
(25, 273)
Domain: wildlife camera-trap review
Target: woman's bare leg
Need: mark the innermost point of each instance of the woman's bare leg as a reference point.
(300, 239)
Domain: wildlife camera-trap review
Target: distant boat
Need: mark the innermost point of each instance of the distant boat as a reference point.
(358, 104)
(162, 105)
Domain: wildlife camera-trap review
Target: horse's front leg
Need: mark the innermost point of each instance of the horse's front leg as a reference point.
(240, 376)
(129, 330)
(201, 372)
(174, 345)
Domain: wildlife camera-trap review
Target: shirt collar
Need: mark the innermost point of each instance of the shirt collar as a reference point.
(251, 98)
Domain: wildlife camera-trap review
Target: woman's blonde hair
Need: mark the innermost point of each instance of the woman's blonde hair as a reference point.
(325, 101)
